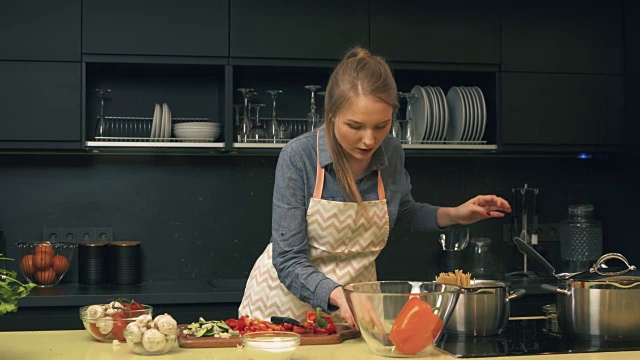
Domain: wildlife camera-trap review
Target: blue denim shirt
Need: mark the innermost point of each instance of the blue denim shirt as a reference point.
(294, 184)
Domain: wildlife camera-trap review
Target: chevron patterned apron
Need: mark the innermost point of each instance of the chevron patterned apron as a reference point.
(344, 240)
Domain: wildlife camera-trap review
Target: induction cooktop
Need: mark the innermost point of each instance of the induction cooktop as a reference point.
(526, 337)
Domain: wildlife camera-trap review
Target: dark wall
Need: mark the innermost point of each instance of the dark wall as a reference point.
(209, 216)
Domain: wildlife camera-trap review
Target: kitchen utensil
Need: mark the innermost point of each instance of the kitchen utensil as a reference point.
(483, 309)
(284, 320)
(601, 303)
(377, 305)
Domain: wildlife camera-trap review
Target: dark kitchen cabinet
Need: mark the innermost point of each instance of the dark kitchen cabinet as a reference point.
(40, 30)
(460, 31)
(297, 29)
(40, 104)
(563, 36)
(165, 27)
(570, 111)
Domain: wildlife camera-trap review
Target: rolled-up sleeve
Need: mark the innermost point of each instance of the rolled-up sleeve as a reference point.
(289, 233)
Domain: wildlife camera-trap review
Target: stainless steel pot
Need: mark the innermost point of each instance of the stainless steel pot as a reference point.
(601, 303)
(482, 309)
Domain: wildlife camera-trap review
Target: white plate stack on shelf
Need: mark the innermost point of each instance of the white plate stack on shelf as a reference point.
(197, 131)
(468, 114)
(429, 114)
(456, 118)
(161, 125)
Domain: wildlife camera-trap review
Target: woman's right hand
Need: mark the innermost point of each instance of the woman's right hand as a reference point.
(367, 313)
(337, 299)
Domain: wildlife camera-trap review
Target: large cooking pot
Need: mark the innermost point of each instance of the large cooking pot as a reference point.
(600, 304)
(483, 308)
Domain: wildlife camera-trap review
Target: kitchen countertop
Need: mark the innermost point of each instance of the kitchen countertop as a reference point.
(78, 344)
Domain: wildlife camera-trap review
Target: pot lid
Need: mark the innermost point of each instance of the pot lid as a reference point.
(602, 272)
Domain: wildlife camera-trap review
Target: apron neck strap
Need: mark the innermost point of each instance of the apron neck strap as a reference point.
(317, 191)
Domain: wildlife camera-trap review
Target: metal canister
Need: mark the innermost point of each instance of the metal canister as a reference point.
(125, 263)
(92, 263)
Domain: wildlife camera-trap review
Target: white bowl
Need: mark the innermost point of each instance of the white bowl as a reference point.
(197, 125)
(273, 345)
(197, 134)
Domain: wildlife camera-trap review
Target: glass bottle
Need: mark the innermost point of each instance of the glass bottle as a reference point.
(580, 238)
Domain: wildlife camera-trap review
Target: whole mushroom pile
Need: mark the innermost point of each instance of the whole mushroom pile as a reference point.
(152, 335)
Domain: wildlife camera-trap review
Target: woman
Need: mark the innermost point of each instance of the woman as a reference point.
(337, 193)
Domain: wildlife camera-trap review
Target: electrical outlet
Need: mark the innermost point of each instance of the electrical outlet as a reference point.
(87, 235)
(69, 235)
(51, 234)
(104, 234)
(546, 232)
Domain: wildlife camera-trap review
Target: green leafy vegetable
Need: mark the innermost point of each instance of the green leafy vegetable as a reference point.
(11, 290)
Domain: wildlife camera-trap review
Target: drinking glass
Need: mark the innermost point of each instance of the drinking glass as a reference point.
(396, 129)
(408, 133)
(258, 131)
(236, 123)
(275, 130)
(313, 118)
(245, 125)
(322, 93)
(455, 239)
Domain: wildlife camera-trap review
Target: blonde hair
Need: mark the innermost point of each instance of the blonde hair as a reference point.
(359, 74)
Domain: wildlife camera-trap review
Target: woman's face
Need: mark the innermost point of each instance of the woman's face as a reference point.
(361, 126)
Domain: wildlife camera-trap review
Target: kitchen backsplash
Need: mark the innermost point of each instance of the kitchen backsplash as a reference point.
(209, 216)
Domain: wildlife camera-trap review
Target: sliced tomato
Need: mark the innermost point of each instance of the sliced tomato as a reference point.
(95, 331)
(118, 326)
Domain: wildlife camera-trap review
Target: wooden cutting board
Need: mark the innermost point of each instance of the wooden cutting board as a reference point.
(191, 341)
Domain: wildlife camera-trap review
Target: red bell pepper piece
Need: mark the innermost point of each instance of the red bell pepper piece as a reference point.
(416, 327)
(319, 322)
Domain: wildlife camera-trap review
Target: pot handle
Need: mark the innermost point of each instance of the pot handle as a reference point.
(515, 294)
(556, 289)
(600, 264)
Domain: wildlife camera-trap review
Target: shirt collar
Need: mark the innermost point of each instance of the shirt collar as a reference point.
(379, 158)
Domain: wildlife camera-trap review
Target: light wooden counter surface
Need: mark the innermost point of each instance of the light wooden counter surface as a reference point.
(78, 344)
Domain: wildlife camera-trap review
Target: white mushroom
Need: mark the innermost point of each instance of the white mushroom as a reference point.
(166, 324)
(114, 307)
(144, 322)
(104, 325)
(94, 312)
(134, 332)
(153, 340)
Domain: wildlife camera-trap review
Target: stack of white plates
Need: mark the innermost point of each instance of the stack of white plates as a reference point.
(468, 113)
(197, 130)
(429, 113)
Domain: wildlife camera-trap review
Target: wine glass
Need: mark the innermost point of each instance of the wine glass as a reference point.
(258, 131)
(101, 128)
(396, 129)
(313, 118)
(409, 131)
(275, 130)
(245, 124)
(236, 123)
(322, 93)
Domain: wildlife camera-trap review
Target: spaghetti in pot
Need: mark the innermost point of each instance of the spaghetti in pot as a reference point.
(455, 278)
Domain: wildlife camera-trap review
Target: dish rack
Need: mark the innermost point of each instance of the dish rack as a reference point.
(137, 129)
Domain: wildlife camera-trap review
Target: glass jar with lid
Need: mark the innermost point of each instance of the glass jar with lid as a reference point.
(580, 238)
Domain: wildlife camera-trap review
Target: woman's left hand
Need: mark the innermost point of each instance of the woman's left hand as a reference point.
(479, 208)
